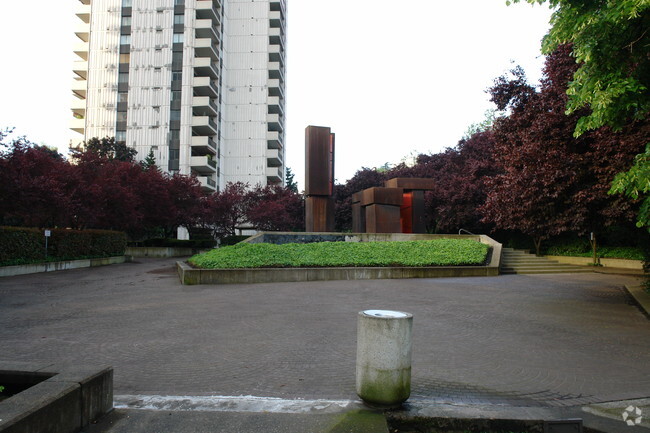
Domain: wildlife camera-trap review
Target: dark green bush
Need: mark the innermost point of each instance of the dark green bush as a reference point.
(232, 240)
(27, 245)
(175, 243)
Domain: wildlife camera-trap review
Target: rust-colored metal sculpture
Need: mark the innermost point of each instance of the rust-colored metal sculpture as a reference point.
(319, 179)
(398, 207)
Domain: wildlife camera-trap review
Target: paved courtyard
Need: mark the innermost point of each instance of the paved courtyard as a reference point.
(537, 340)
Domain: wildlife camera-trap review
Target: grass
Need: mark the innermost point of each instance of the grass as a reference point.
(440, 252)
(630, 253)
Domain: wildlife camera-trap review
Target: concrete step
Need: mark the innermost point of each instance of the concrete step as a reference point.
(522, 262)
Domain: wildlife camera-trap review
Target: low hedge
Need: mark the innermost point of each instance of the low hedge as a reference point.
(27, 245)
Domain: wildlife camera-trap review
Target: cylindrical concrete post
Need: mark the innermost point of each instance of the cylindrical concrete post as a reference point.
(384, 357)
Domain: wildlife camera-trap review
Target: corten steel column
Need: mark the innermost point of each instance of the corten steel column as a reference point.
(358, 214)
(382, 209)
(319, 179)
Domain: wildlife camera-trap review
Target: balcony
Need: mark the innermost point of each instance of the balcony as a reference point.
(276, 54)
(203, 165)
(274, 122)
(207, 29)
(273, 140)
(275, 70)
(205, 9)
(78, 125)
(204, 125)
(78, 107)
(273, 174)
(273, 157)
(207, 183)
(83, 12)
(276, 37)
(205, 67)
(80, 67)
(81, 49)
(82, 31)
(204, 86)
(85, 2)
(275, 19)
(204, 105)
(204, 145)
(79, 88)
(276, 88)
(275, 104)
(206, 48)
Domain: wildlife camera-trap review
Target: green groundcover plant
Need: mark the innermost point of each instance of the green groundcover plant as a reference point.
(442, 252)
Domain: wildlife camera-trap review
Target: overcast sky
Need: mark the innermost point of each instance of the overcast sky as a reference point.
(390, 78)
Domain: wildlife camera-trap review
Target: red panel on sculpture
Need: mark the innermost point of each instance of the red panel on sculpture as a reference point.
(406, 213)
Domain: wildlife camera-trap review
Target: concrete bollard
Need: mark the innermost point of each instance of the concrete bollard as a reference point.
(384, 357)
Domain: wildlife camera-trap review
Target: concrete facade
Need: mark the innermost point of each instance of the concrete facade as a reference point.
(200, 83)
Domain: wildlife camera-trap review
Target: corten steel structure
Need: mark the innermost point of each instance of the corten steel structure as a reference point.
(319, 179)
(200, 83)
(398, 207)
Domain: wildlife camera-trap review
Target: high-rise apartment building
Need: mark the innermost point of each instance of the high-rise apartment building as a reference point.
(198, 82)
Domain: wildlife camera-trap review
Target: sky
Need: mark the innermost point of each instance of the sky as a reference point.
(391, 79)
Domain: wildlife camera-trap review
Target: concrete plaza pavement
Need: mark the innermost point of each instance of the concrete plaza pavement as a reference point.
(528, 341)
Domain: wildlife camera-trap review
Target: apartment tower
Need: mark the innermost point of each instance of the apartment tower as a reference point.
(198, 82)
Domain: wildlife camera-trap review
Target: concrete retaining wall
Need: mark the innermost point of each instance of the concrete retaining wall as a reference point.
(65, 403)
(609, 263)
(160, 252)
(10, 271)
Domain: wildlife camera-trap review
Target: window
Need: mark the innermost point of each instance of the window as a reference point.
(123, 77)
(125, 58)
(176, 95)
(174, 153)
(177, 76)
(122, 97)
(178, 38)
(174, 135)
(127, 3)
(177, 58)
(121, 116)
(125, 40)
(126, 21)
(175, 115)
(120, 136)
(179, 2)
(179, 19)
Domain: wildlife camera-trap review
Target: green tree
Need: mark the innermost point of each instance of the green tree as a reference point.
(610, 40)
(150, 161)
(290, 182)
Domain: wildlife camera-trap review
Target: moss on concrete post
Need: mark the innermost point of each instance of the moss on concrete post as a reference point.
(384, 357)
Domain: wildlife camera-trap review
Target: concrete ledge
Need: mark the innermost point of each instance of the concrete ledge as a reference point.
(190, 275)
(10, 271)
(641, 297)
(160, 252)
(608, 263)
(65, 403)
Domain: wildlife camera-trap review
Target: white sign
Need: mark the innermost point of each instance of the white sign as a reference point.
(48, 233)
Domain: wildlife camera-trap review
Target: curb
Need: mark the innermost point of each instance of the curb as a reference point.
(641, 298)
(36, 268)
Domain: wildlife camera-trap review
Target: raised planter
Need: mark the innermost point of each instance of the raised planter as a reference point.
(189, 275)
(63, 400)
(10, 271)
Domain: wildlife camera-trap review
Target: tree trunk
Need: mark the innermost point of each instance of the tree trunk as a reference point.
(538, 243)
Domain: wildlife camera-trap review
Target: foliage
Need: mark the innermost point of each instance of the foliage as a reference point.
(610, 41)
(443, 252)
(635, 184)
(150, 161)
(275, 208)
(104, 188)
(553, 182)
(291, 184)
(175, 243)
(28, 244)
(362, 179)
(232, 240)
(227, 209)
(486, 124)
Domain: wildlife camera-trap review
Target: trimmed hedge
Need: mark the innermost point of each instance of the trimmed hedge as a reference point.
(27, 245)
(175, 243)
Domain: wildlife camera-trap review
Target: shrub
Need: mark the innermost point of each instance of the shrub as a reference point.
(176, 243)
(27, 245)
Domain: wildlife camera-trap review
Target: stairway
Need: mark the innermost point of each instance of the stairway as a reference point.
(522, 262)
